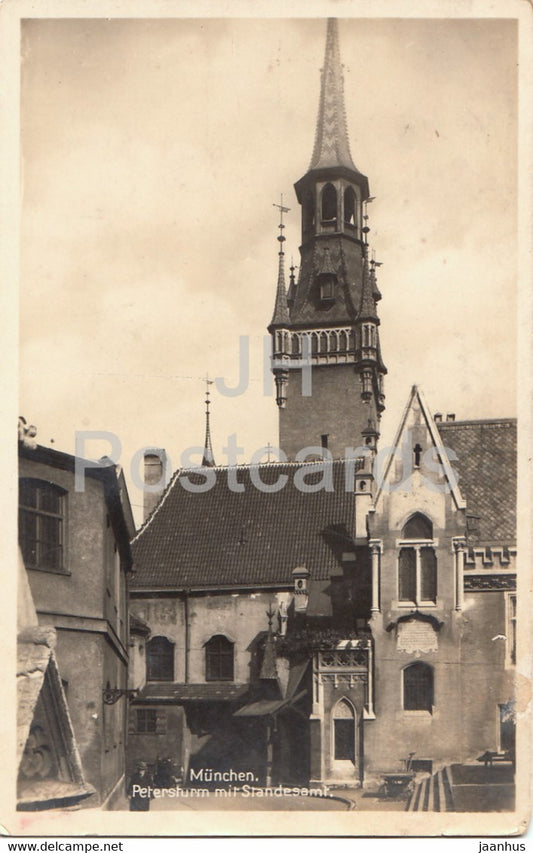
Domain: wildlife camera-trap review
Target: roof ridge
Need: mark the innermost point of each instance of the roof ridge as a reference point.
(199, 469)
(147, 521)
(473, 421)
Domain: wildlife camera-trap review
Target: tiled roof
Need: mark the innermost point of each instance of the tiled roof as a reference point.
(221, 537)
(486, 464)
(307, 309)
(332, 147)
(171, 692)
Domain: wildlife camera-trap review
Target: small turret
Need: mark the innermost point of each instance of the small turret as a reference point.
(279, 325)
(208, 459)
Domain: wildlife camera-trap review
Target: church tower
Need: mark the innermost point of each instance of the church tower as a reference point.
(325, 329)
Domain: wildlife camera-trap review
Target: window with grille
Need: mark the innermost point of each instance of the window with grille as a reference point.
(159, 659)
(149, 721)
(219, 659)
(418, 687)
(42, 524)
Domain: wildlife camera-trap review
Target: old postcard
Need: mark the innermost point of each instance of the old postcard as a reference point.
(270, 275)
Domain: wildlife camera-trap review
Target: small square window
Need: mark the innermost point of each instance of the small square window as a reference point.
(146, 720)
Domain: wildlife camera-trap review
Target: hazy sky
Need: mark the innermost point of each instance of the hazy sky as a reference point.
(153, 152)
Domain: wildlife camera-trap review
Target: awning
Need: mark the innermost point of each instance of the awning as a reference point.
(182, 693)
(268, 707)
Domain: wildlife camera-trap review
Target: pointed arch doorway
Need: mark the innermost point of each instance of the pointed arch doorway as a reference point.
(345, 741)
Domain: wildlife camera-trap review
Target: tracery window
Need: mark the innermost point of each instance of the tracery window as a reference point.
(417, 563)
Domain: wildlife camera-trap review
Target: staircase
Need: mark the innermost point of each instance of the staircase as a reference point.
(432, 793)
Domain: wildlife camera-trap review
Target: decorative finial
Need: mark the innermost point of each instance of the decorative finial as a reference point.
(291, 277)
(281, 308)
(365, 229)
(270, 615)
(281, 226)
(208, 460)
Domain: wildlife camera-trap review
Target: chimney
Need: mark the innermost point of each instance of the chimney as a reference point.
(437, 417)
(155, 478)
(450, 417)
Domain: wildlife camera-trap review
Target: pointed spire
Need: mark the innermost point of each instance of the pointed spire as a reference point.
(332, 147)
(280, 316)
(367, 310)
(208, 460)
(292, 286)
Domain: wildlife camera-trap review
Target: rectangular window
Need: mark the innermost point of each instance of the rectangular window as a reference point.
(146, 721)
(417, 575)
(41, 524)
(428, 574)
(407, 579)
(326, 290)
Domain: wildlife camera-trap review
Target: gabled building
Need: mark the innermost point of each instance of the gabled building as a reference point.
(320, 621)
(74, 534)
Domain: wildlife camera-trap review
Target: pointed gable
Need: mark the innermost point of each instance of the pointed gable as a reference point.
(418, 473)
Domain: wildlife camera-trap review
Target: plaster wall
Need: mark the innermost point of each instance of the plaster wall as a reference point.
(239, 616)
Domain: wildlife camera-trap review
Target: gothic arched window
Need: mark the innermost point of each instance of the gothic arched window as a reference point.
(344, 731)
(349, 206)
(329, 203)
(159, 659)
(418, 687)
(219, 659)
(417, 562)
(418, 527)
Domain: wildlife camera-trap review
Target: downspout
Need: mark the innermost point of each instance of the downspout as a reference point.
(187, 633)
